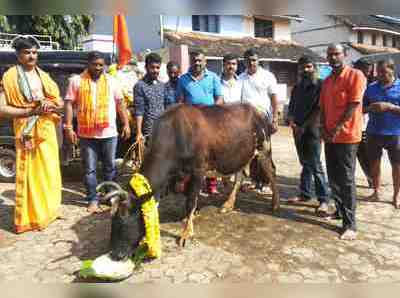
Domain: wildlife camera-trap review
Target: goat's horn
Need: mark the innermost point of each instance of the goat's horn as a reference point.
(110, 184)
(120, 193)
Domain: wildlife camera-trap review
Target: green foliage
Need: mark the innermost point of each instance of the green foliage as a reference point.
(64, 29)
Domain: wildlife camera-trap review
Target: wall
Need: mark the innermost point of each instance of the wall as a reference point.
(248, 26)
(230, 25)
(327, 33)
(98, 42)
(233, 26)
(180, 23)
(282, 30)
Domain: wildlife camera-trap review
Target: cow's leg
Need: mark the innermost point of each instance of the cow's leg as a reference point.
(192, 194)
(230, 202)
(266, 162)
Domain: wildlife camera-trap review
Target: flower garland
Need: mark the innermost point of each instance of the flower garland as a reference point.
(152, 239)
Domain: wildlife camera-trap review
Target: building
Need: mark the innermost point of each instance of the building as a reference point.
(146, 31)
(361, 34)
(217, 35)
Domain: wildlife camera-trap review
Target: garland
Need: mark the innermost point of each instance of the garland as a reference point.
(152, 239)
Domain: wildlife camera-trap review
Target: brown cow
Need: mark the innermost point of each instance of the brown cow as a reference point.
(194, 140)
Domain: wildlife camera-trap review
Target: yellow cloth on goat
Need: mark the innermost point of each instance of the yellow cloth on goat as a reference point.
(152, 239)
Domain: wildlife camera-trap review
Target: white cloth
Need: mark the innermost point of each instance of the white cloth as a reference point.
(365, 121)
(258, 88)
(232, 90)
(127, 78)
(115, 97)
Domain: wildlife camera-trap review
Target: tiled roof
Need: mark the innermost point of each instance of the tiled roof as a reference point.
(370, 21)
(218, 46)
(368, 49)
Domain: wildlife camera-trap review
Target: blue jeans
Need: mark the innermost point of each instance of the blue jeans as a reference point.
(309, 152)
(93, 150)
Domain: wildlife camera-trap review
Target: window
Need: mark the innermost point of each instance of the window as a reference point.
(263, 28)
(373, 39)
(394, 44)
(215, 65)
(384, 40)
(205, 23)
(360, 37)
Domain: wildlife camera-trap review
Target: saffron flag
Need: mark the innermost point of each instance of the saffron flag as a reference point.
(121, 40)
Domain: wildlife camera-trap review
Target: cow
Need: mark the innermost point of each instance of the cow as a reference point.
(190, 141)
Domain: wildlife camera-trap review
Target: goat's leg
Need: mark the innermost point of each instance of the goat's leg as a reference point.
(230, 202)
(191, 205)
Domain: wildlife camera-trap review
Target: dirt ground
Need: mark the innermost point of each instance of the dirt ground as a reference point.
(251, 244)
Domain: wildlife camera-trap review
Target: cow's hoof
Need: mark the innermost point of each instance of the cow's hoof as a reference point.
(275, 209)
(224, 210)
(182, 242)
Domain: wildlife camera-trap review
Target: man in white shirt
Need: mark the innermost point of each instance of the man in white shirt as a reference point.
(260, 88)
(231, 85)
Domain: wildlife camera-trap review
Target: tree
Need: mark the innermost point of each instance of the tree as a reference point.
(67, 30)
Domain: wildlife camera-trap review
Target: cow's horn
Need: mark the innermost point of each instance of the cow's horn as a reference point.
(109, 184)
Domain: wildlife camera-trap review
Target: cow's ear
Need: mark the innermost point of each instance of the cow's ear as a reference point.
(115, 201)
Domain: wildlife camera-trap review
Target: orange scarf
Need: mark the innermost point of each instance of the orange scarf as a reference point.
(93, 118)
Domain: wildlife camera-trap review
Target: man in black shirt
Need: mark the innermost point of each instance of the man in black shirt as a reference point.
(362, 153)
(304, 120)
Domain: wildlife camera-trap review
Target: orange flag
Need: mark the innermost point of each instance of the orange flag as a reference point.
(121, 40)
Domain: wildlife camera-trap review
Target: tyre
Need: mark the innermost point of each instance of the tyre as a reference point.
(7, 165)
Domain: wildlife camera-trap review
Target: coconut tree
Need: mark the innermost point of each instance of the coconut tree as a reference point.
(67, 30)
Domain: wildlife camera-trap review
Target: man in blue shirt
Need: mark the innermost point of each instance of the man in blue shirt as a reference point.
(382, 102)
(200, 86)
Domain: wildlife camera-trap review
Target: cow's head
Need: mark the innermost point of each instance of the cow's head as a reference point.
(127, 224)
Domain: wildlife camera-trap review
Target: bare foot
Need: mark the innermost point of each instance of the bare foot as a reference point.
(93, 208)
(348, 235)
(375, 196)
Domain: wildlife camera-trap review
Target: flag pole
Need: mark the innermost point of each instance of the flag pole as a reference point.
(114, 49)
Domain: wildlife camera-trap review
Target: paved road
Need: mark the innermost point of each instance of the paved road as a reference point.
(249, 244)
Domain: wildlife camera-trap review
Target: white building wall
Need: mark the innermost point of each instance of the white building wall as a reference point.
(323, 36)
(233, 25)
(98, 42)
(248, 26)
(282, 30)
(367, 38)
(179, 23)
(144, 30)
(230, 25)
(319, 30)
(379, 39)
(353, 36)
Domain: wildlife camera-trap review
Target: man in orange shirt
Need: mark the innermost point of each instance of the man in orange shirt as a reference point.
(341, 129)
